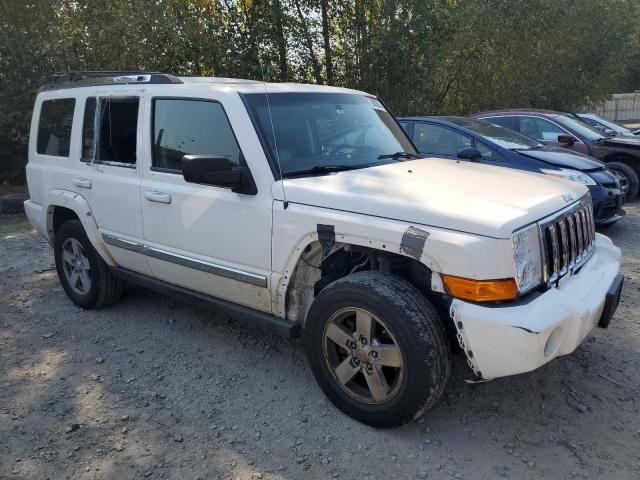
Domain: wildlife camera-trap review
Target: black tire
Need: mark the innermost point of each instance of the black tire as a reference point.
(105, 287)
(417, 329)
(629, 175)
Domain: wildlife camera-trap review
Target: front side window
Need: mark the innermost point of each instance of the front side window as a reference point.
(540, 129)
(304, 131)
(191, 127)
(506, 122)
(585, 131)
(111, 134)
(438, 140)
(54, 127)
(504, 137)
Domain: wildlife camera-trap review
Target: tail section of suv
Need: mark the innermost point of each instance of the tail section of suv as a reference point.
(300, 207)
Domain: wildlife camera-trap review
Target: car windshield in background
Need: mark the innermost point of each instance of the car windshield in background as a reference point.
(584, 130)
(504, 137)
(610, 123)
(322, 132)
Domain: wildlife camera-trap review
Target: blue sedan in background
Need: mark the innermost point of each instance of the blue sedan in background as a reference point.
(462, 138)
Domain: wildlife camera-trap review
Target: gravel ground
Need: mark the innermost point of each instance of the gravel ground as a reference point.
(151, 388)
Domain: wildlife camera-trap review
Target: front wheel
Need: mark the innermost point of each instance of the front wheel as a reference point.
(377, 348)
(629, 181)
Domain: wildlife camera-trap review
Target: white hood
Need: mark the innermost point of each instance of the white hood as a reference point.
(463, 196)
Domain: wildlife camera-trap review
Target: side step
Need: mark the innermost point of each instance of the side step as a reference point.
(239, 312)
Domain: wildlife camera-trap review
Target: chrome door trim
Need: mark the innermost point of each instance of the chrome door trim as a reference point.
(212, 268)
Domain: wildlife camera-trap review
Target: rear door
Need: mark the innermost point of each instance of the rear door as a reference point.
(111, 148)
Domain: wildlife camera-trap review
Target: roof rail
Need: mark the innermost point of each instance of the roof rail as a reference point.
(87, 79)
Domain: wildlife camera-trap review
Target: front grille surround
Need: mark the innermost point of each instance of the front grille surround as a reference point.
(567, 240)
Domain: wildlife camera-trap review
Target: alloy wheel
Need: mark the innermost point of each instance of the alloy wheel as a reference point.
(77, 269)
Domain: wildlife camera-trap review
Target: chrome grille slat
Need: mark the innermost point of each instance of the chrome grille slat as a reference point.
(567, 240)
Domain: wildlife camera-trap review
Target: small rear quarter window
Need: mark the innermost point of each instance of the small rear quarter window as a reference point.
(54, 127)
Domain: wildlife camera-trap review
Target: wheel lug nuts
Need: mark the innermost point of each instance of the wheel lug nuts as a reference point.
(374, 354)
(363, 341)
(369, 366)
(353, 345)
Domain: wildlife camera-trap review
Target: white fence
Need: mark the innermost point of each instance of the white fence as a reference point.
(621, 107)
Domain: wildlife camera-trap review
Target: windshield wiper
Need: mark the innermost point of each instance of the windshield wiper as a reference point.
(325, 169)
(399, 155)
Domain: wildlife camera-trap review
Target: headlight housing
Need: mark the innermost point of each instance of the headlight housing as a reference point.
(528, 258)
(571, 175)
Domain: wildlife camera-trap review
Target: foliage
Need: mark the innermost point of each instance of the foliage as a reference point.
(420, 56)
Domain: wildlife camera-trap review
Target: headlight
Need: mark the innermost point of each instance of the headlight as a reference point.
(526, 253)
(572, 175)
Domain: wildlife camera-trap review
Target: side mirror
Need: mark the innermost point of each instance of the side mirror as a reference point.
(469, 153)
(568, 139)
(218, 172)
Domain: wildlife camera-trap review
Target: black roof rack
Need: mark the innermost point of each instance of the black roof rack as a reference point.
(87, 79)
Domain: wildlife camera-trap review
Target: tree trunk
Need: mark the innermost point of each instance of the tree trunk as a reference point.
(281, 41)
(315, 65)
(326, 35)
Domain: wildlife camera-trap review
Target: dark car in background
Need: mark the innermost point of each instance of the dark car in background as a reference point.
(606, 126)
(621, 154)
(461, 138)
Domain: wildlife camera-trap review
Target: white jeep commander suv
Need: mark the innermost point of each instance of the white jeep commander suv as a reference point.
(306, 208)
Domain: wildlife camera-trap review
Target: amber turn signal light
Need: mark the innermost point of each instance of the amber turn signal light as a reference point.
(480, 290)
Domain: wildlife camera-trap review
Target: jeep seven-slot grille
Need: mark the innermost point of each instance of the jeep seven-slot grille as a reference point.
(568, 240)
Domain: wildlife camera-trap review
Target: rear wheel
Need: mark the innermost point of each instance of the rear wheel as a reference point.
(377, 348)
(628, 177)
(85, 277)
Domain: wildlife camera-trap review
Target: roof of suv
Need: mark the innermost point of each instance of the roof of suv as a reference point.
(127, 79)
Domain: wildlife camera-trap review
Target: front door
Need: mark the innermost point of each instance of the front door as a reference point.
(206, 238)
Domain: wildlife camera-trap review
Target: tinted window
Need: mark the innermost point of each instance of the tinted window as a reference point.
(88, 130)
(586, 131)
(506, 122)
(190, 127)
(488, 154)
(118, 130)
(54, 128)
(438, 140)
(504, 137)
(320, 129)
(540, 129)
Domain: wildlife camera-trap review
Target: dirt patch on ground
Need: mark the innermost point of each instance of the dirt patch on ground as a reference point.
(154, 388)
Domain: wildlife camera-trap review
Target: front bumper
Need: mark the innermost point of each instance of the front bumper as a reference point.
(607, 205)
(523, 335)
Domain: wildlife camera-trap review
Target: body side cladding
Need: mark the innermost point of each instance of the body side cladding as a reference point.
(78, 204)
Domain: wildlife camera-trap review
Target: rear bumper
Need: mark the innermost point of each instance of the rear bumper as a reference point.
(521, 336)
(36, 216)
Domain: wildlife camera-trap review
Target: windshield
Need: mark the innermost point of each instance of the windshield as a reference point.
(586, 131)
(502, 136)
(315, 130)
(610, 123)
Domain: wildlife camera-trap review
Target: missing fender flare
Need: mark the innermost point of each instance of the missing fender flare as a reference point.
(327, 238)
(413, 241)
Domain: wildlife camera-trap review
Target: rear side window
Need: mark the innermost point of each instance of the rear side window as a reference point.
(54, 127)
(190, 127)
(111, 135)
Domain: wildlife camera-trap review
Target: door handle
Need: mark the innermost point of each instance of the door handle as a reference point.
(81, 182)
(158, 197)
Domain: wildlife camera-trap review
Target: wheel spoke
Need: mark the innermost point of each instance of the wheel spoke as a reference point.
(85, 281)
(388, 355)
(84, 262)
(377, 384)
(73, 279)
(74, 247)
(67, 257)
(364, 325)
(345, 371)
(338, 335)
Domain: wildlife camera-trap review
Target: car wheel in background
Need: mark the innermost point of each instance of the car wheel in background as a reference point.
(628, 179)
